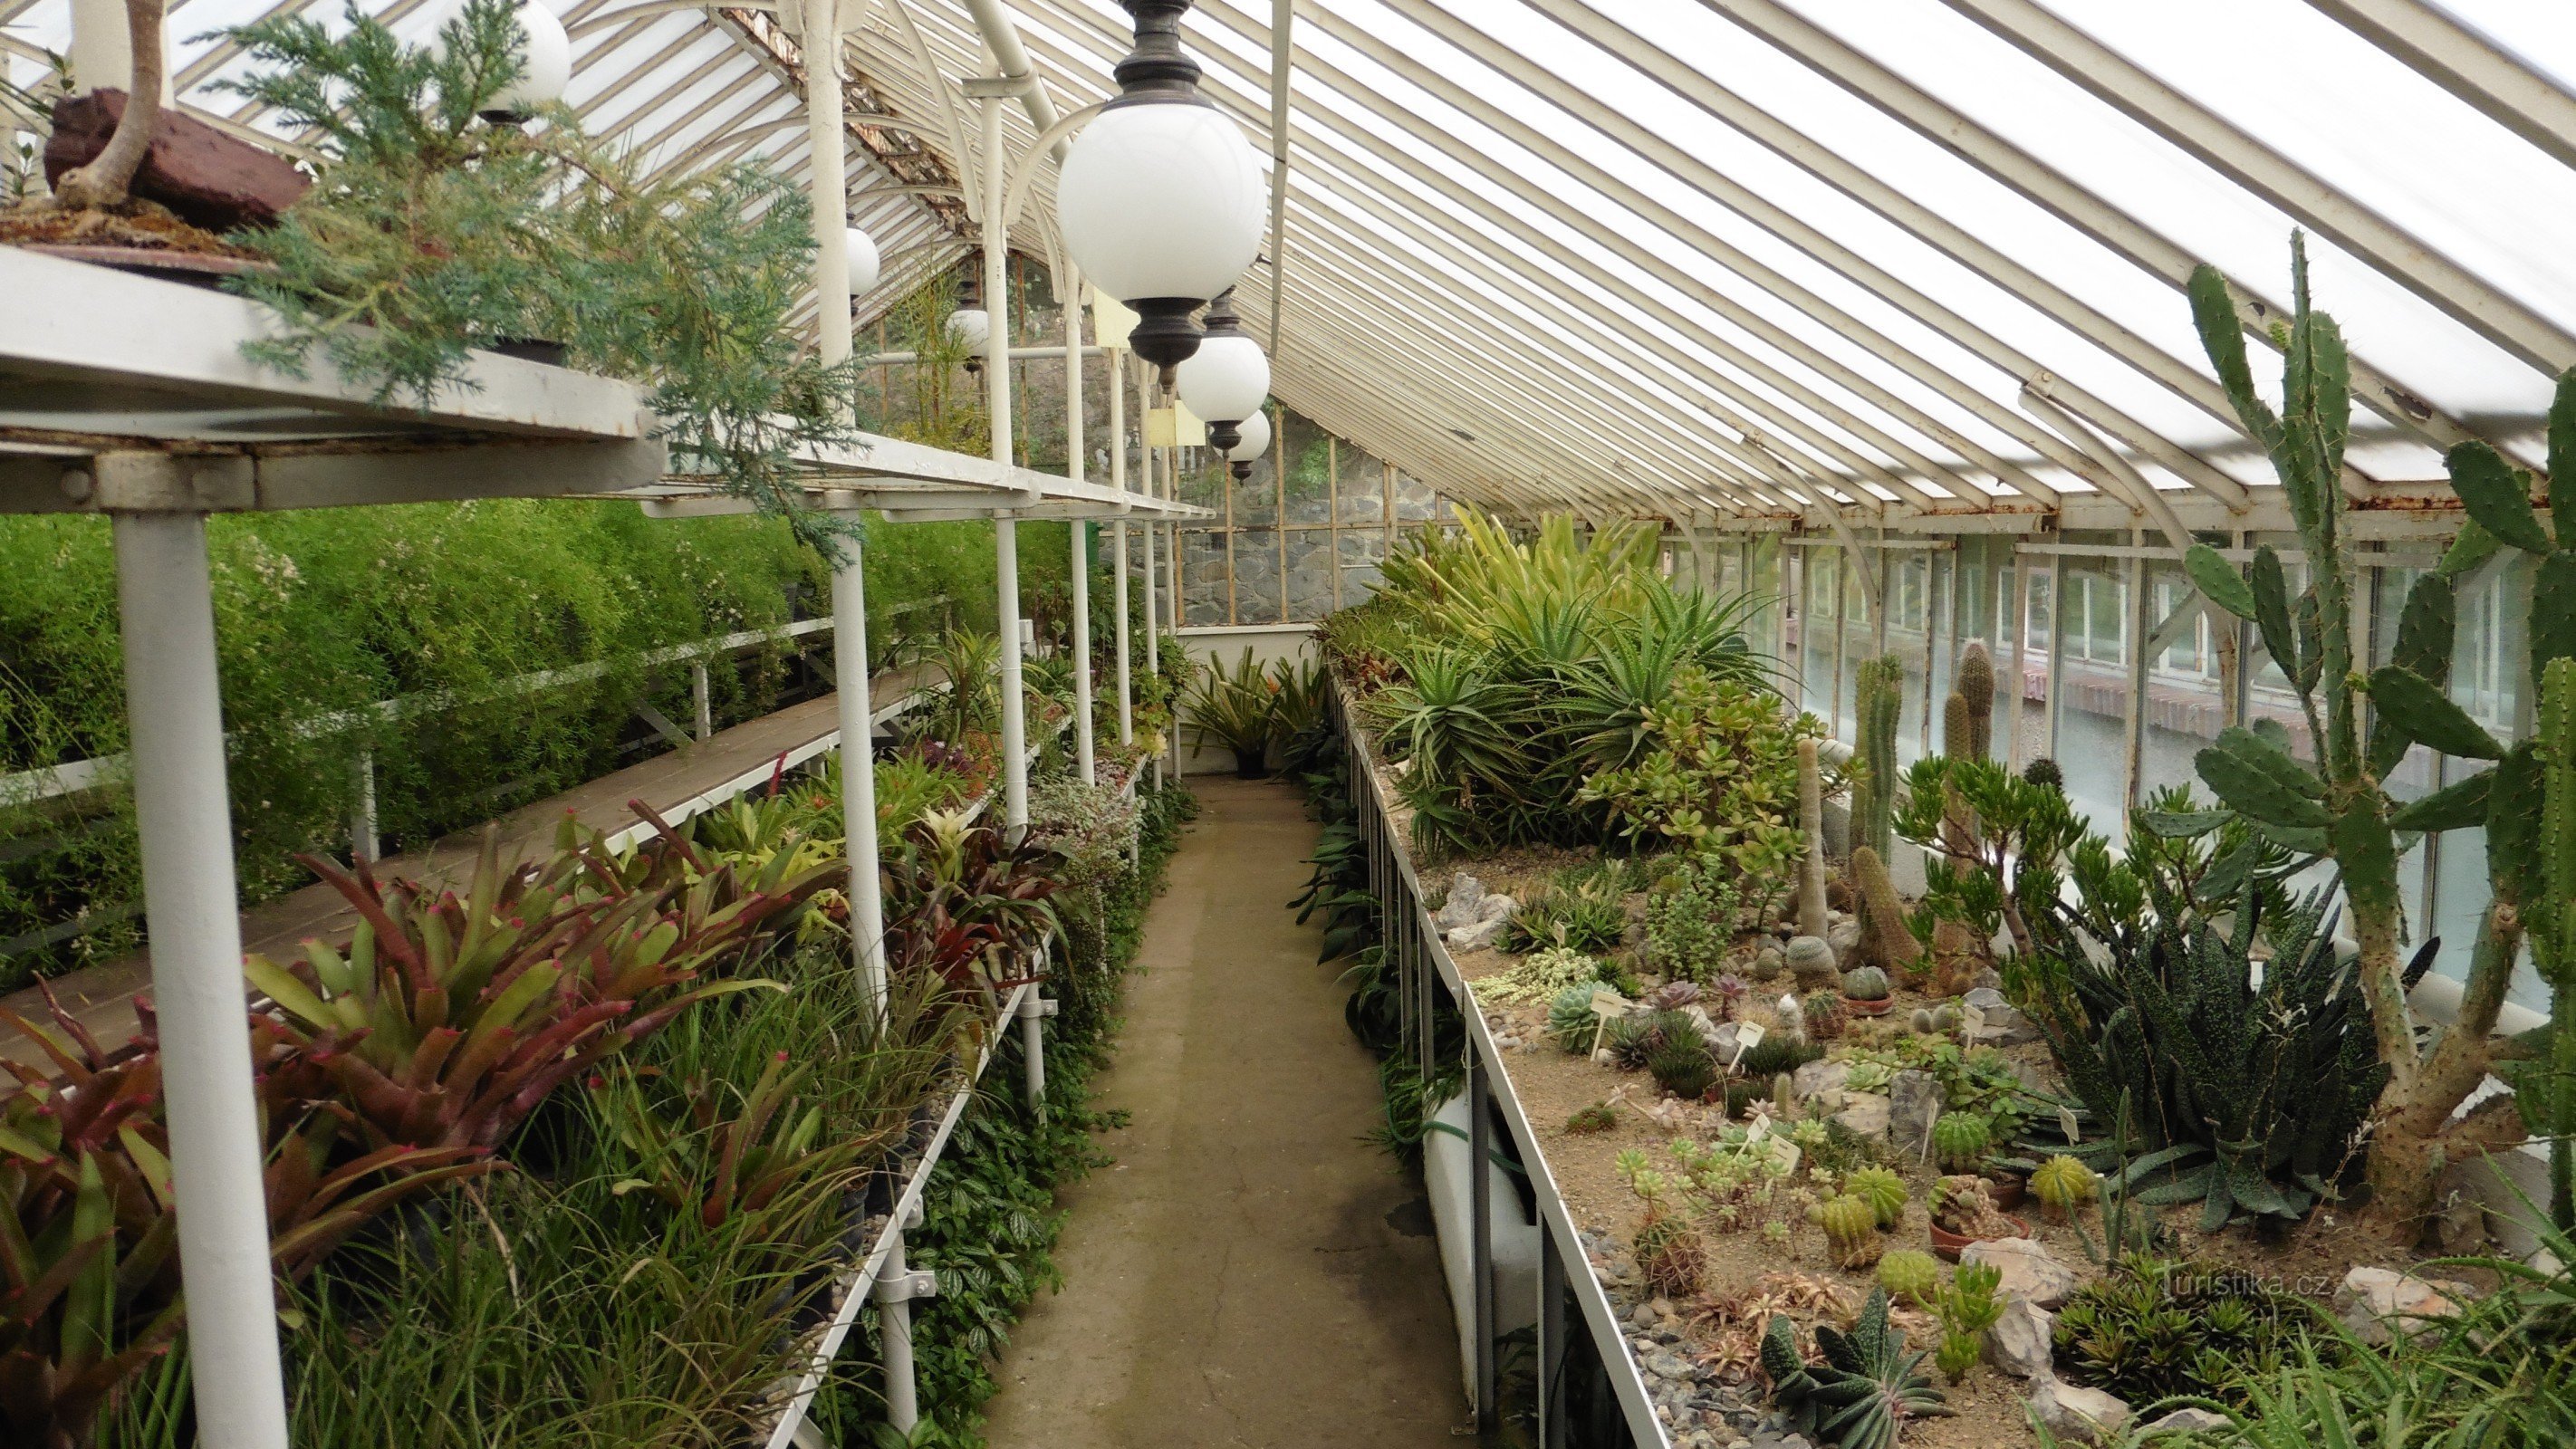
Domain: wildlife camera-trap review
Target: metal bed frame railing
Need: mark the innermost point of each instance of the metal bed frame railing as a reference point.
(1423, 967)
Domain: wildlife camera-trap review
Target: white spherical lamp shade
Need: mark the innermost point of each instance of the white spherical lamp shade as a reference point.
(865, 267)
(1255, 428)
(1227, 379)
(1162, 204)
(545, 64)
(972, 329)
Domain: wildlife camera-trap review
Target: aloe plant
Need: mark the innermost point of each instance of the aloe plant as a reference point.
(1860, 1396)
(2361, 723)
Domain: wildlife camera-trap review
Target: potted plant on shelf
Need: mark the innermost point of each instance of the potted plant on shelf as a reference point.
(1866, 992)
(1236, 709)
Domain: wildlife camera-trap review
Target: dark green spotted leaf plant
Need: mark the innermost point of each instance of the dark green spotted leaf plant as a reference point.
(2333, 805)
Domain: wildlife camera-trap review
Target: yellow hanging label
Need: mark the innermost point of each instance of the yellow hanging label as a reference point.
(1173, 427)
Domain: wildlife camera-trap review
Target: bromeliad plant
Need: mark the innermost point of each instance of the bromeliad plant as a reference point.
(2361, 722)
(449, 1017)
(1237, 709)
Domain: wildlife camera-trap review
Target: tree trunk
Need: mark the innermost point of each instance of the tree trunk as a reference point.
(104, 182)
(2413, 1136)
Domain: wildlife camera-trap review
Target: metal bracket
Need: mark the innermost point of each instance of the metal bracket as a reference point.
(906, 1286)
(1036, 1005)
(997, 87)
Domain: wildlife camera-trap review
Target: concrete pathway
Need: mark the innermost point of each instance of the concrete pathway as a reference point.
(1251, 1273)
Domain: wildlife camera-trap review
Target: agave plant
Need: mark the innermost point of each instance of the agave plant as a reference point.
(449, 1017)
(1865, 1388)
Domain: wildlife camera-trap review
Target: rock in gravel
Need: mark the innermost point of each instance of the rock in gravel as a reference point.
(2019, 1342)
(1865, 1113)
(1664, 1364)
(2079, 1416)
(2000, 1023)
(2183, 1421)
(1466, 893)
(1821, 1082)
(1844, 937)
(1914, 1100)
(1478, 934)
(1495, 907)
(2377, 1304)
(2029, 1272)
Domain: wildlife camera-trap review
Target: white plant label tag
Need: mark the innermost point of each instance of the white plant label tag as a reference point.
(2066, 1123)
(1748, 1035)
(1607, 1006)
(1972, 1020)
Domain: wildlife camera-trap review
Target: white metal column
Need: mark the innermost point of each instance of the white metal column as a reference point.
(1069, 293)
(1006, 531)
(174, 709)
(858, 770)
(1118, 532)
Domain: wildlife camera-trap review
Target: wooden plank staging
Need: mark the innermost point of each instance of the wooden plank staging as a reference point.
(680, 784)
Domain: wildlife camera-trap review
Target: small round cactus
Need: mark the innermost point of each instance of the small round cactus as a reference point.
(1811, 961)
(1865, 983)
(1570, 1019)
(1669, 1254)
(1827, 1017)
(1883, 1190)
(1911, 1274)
(2062, 1184)
(1851, 1233)
(1960, 1140)
(1934, 1021)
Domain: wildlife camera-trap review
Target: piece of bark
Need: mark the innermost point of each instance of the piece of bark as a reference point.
(208, 178)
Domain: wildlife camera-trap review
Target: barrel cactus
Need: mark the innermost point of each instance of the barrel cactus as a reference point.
(1810, 961)
(1910, 1273)
(1851, 1233)
(1827, 1016)
(2062, 1184)
(1865, 983)
(1960, 1140)
(1669, 1254)
(1882, 1189)
(1570, 1019)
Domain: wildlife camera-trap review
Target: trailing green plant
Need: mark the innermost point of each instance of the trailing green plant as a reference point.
(2361, 722)
(1863, 1389)
(1967, 1307)
(1540, 976)
(428, 232)
(2153, 1328)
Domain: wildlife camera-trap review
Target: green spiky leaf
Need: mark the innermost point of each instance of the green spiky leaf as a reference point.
(2219, 580)
(2455, 806)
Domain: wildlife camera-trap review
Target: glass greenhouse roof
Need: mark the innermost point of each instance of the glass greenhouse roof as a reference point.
(1761, 258)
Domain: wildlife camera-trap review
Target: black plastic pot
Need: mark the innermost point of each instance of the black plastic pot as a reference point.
(1252, 764)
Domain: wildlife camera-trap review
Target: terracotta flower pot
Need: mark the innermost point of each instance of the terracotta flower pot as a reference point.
(2008, 1189)
(1858, 1007)
(1949, 1244)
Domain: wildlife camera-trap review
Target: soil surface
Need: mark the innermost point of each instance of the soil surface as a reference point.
(1252, 1272)
(139, 224)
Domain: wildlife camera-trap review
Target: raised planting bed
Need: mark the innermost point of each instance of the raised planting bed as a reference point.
(1621, 1147)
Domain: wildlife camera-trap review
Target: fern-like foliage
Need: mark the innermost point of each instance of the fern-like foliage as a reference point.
(429, 232)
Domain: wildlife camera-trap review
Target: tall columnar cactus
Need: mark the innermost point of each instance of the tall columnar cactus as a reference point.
(1977, 688)
(1811, 818)
(1881, 696)
(2361, 723)
(1887, 939)
(2548, 1089)
(1957, 740)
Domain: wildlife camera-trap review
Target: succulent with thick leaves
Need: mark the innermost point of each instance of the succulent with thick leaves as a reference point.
(1851, 1233)
(1682, 1065)
(2249, 1097)
(1570, 1019)
(1968, 1307)
(1882, 1189)
(2153, 1327)
(2361, 727)
(449, 1017)
(1995, 844)
(1864, 1389)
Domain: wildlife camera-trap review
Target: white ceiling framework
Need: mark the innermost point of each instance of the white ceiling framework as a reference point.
(1856, 262)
